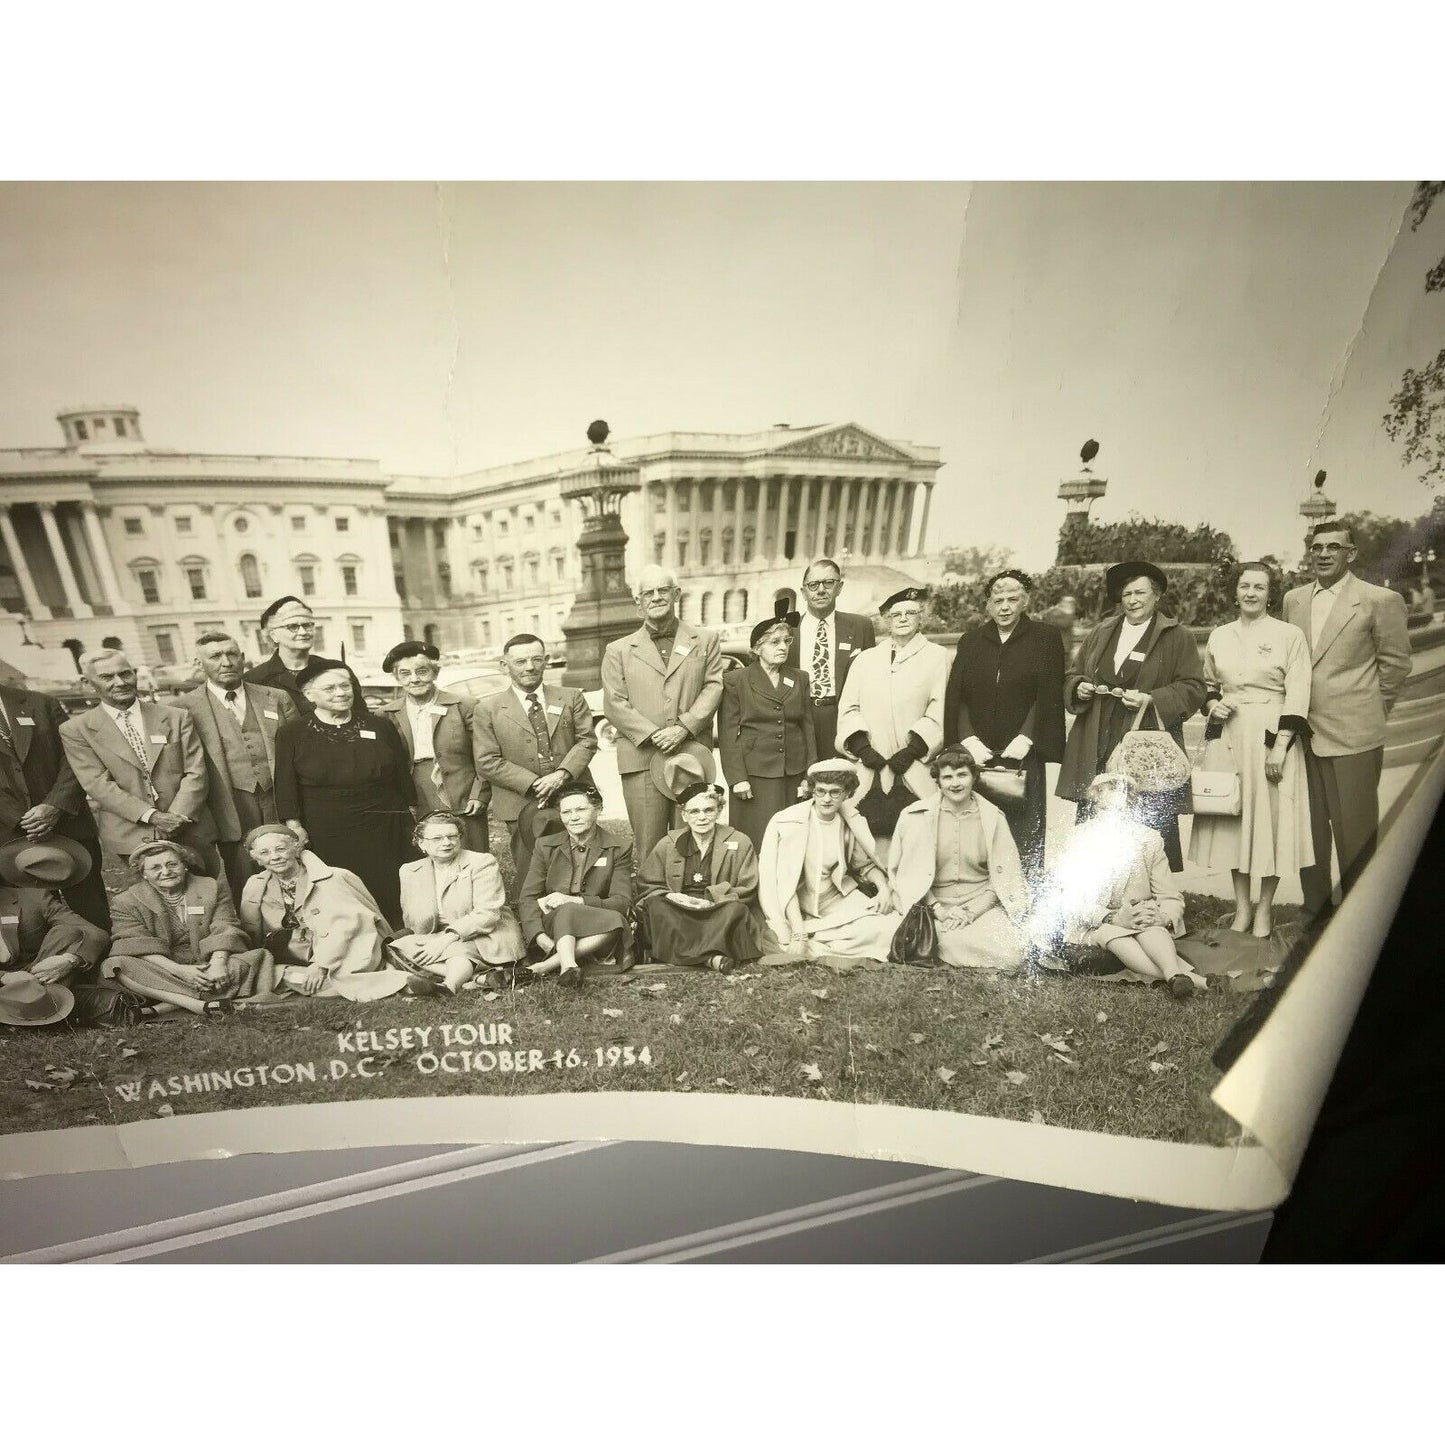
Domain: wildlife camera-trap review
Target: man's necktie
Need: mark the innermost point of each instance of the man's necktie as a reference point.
(139, 748)
(539, 730)
(822, 663)
(7, 738)
(231, 696)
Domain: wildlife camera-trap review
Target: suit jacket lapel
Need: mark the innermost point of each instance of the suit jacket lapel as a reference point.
(1347, 600)
(21, 735)
(403, 723)
(108, 734)
(682, 643)
(644, 649)
(546, 702)
(267, 725)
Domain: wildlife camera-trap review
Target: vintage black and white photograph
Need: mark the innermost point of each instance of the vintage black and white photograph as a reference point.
(947, 655)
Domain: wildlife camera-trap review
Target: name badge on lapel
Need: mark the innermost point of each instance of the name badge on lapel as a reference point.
(553, 708)
(367, 733)
(682, 651)
(599, 863)
(845, 647)
(274, 716)
(1136, 657)
(10, 918)
(158, 738)
(194, 908)
(436, 709)
(25, 722)
(787, 682)
(732, 846)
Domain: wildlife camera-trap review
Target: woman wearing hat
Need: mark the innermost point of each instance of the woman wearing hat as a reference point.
(823, 887)
(176, 939)
(578, 891)
(765, 727)
(955, 851)
(699, 885)
(40, 934)
(1141, 657)
(344, 777)
(436, 728)
(318, 922)
(454, 904)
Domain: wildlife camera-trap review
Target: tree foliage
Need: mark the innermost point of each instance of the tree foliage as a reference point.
(1142, 537)
(1416, 418)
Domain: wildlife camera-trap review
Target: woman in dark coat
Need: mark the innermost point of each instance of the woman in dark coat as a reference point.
(766, 738)
(1005, 702)
(700, 889)
(346, 779)
(1138, 656)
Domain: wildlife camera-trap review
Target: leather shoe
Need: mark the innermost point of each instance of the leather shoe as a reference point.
(570, 978)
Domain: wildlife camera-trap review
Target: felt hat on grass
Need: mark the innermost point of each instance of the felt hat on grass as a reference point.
(56, 862)
(28, 1003)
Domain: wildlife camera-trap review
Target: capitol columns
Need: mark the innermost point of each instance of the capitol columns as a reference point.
(740, 487)
(760, 524)
(905, 516)
(73, 600)
(100, 550)
(33, 605)
(923, 526)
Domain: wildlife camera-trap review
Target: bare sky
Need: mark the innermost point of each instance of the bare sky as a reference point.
(1222, 342)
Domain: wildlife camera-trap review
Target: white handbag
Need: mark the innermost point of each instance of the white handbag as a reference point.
(1216, 793)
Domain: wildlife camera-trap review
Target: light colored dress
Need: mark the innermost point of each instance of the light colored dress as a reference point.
(836, 922)
(1262, 670)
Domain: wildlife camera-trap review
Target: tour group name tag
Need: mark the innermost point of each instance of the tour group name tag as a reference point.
(436, 709)
(194, 908)
(1136, 657)
(599, 862)
(158, 737)
(552, 707)
(10, 918)
(26, 722)
(733, 845)
(274, 716)
(787, 682)
(367, 733)
(682, 651)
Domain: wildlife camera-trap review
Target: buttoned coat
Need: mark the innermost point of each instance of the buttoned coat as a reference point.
(852, 635)
(780, 868)
(505, 747)
(998, 690)
(452, 745)
(37, 923)
(913, 860)
(732, 866)
(111, 775)
(641, 693)
(763, 731)
(271, 707)
(890, 694)
(35, 722)
(606, 876)
(473, 905)
(1359, 663)
(347, 928)
(143, 922)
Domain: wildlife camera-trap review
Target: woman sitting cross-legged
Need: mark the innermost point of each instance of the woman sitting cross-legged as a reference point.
(699, 885)
(454, 903)
(319, 923)
(956, 852)
(578, 891)
(1112, 888)
(822, 886)
(176, 939)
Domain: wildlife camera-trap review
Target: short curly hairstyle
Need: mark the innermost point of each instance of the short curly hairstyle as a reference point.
(844, 778)
(953, 757)
(441, 815)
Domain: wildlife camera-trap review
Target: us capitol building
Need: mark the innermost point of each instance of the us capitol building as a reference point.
(108, 536)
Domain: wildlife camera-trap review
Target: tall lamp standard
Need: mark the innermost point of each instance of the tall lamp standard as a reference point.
(1316, 508)
(1425, 560)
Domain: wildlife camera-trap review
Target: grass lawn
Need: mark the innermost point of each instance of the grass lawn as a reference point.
(1071, 1052)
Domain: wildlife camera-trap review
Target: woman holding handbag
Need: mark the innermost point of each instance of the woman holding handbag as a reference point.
(1257, 669)
(1140, 658)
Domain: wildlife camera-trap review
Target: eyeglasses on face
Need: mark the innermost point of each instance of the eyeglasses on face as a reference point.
(294, 626)
(656, 591)
(823, 584)
(1320, 548)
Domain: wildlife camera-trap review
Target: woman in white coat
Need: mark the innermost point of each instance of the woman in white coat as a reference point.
(955, 851)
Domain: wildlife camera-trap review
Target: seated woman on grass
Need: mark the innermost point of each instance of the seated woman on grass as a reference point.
(699, 886)
(176, 940)
(319, 923)
(1112, 888)
(575, 901)
(823, 888)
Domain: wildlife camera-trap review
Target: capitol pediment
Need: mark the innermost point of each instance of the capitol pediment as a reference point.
(844, 443)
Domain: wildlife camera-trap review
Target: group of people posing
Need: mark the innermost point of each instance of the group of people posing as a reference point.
(286, 839)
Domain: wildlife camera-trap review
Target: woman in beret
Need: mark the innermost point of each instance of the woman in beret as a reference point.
(344, 782)
(699, 886)
(176, 939)
(765, 728)
(318, 922)
(1140, 657)
(578, 892)
(1258, 670)
(436, 728)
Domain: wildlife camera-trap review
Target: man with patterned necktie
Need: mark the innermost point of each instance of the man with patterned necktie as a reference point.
(825, 646)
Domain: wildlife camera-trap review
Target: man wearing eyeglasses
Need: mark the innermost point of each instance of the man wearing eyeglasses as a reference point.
(291, 626)
(1360, 654)
(825, 646)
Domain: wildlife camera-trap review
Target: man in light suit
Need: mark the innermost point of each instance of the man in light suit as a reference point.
(141, 764)
(661, 686)
(1361, 657)
(237, 722)
(530, 740)
(825, 646)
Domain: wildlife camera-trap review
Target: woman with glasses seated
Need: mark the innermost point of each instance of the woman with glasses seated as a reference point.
(291, 627)
(699, 885)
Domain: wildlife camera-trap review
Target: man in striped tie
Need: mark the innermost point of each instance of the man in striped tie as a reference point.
(825, 645)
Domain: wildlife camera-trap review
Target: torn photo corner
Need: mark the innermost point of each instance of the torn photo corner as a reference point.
(1011, 762)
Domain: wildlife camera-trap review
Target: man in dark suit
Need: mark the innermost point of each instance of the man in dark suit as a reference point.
(530, 740)
(826, 643)
(291, 626)
(1005, 701)
(237, 722)
(39, 793)
(39, 933)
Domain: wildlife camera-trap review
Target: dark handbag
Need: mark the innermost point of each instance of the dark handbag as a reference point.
(1003, 784)
(105, 1005)
(916, 939)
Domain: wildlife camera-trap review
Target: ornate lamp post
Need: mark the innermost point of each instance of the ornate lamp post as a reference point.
(1425, 561)
(602, 608)
(1081, 492)
(1316, 508)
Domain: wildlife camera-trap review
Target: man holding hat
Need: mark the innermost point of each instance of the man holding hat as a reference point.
(291, 627)
(661, 686)
(890, 716)
(40, 934)
(39, 794)
(1139, 658)
(825, 646)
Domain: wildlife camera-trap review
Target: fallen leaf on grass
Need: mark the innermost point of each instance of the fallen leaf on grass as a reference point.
(1036, 1117)
(916, 1038)
(1101, 1017)
(934, 988)
(36, 1084)
(811, 1072)
(129, 1053)
(653, 988)
(166, 1111)
(616, 1013)
(993, 1041)
(1234, 973)
(680, 1077)
(672, 1018)
(1060, 1046)
(1156, 1067)
(491, 996)
(63, 1077)
(818, 992)
(1160, 1048)
(752, 1051)
(945, 1074)
(1067, 1060)
(1016, 1076)
(808, 1018)
(722, 1084)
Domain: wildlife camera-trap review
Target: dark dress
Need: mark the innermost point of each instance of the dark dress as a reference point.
(726, 875)
(274, 673)
(765, 739)
(351, 788)
(997, 690)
